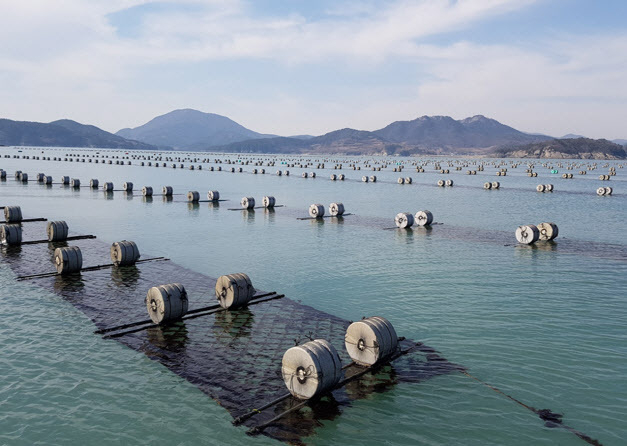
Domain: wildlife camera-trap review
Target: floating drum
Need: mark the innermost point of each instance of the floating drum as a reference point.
(304, 174)
(13, 214)
(10, 234)
(341, 177)
(608, 191)
(68, 260)
(495, 184)
(601, 191)
(93, 183)
(311, 368)
(279, 173)
(193, 196)
(404, 220)
(408, 180)
(540, 187)
(364, 179)
(57, 231)
(373, 179)
(527, 234)
(548, 231)
(124, 253)
(213, 195)
(167, 191)
(65, 180)
(286, 173)
(441, 183)
(423, 218)
(336, 209)
(316, 211)
(75, 183)
(401, 180)
(48, 180)
(548, 187)
(166, 302)
(370, 340)
(333, 177)
(449, 183)
(24, 177)
(128, 186)
(312, 174)
(147, 191)
(234, 290)
(268, 202)
(487, 185)
(107, 187)
(248, 203)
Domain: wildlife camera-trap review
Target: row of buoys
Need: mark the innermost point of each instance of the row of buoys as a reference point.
(308, 175)
(544, 188)
(407, 219)
(491, 185)
(335, 177)
(604, 191)
(315, 367)
(528, 234)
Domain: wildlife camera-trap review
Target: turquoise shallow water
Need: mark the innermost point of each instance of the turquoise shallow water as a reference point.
(544, 325)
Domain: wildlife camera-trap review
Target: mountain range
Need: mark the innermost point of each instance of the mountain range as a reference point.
(188, 129)
(62, 133)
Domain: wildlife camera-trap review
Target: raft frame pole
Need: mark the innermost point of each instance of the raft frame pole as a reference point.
(69, 239)
(188, 316)
(255, 430)
(26, 220)
(324, 216)
(149, 321)
(88, 268)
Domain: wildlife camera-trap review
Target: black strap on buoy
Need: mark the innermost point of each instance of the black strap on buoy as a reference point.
(550, 418)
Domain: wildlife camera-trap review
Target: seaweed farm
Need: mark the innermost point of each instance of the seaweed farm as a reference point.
(504, 280)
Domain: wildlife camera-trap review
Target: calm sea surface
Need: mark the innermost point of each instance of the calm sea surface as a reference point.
(546, 324)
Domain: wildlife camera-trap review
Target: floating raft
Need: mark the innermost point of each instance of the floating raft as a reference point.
(232, 356)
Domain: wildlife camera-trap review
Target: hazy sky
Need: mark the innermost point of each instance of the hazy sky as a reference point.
(312, 66)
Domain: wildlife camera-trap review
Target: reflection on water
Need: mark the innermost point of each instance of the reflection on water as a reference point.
(193, 206)
(70, 283)
(108, 195)
(233, 324)
(147, 199)
(171, 338)
(167, 198)
(11, 251)
(248, 215)
(125, 276)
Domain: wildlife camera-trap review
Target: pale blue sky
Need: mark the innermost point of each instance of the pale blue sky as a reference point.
(295, 66)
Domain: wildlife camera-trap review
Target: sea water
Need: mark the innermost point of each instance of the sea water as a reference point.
(544, 324)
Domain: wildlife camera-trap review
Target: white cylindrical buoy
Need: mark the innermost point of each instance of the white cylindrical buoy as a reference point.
(213, 195)
(57, 231)
(147, 191)
(311, 368)
(316, 211)
(93, 183)
(496, 185)
(68, 260)
(107, 187)
(370, 340)
(166, 302)
(336, 209)
(423, 218)
(286, 173)
(48, 180)
(608, 190)
(248, 202)
(268, 202)
(234, 290)
(10, 234)
(128, 186)
(449, 183)
(540, 187)
(124, 253)
(441, 183)
(548, 231)
(167, 191)
(601, 191)
(408, 180)
(75, 183)
(373, 178)
(13, 214)
(527, 234)
(404, 220)
(548, 187)
(65, 180)
(304, 175)
(341, 177)
(333, 177)
(401, 180)
(487, 185)
(193, 196)
(364, 178)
